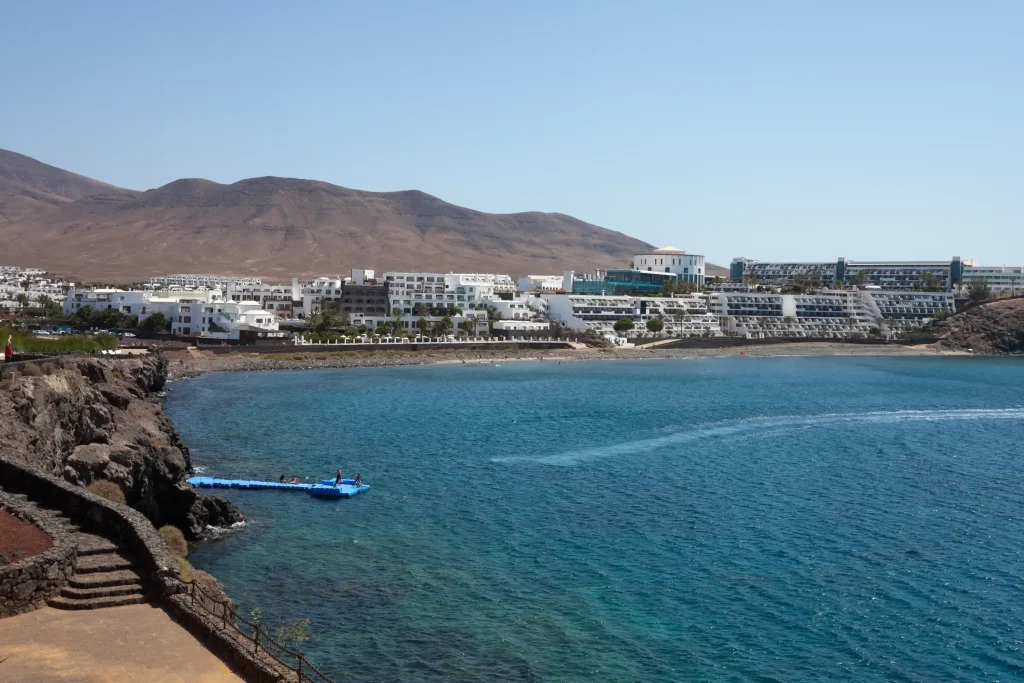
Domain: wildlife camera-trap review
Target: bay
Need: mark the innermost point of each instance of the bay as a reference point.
(796, 519)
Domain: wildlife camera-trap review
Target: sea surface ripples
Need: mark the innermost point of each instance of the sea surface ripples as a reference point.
(722, 519)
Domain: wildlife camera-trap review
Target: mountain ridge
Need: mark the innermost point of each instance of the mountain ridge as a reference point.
(276, 228)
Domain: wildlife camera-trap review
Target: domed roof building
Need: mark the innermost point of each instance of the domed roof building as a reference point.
(688, 267)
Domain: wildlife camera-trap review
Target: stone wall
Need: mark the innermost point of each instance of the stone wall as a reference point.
(27, 585)
(110, 519)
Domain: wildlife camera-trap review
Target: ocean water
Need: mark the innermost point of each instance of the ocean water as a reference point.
(739, 519)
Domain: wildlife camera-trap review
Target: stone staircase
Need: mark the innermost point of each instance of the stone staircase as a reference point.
(106, 576)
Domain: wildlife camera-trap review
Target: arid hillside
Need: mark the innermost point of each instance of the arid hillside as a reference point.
(275, 228)
(994, 328)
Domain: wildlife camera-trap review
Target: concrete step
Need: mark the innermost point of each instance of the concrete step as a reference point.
(103, 591)
(103, 562)
(120, 577)
(61, 602)
(91, 544)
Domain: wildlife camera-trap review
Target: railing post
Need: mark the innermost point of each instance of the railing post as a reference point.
(256, 640)
(299, 668)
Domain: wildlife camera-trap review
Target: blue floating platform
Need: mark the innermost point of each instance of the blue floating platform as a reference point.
(325, 489)
(332, 491)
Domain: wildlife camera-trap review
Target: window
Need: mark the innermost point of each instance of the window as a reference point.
(188, 318)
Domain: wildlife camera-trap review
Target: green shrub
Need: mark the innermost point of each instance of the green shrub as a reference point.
(107, 489)
(175, 540)
(29, 343)
(31, 370)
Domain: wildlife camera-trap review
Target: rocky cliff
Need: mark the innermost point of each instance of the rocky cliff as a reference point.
(992, 328)
(93, 419)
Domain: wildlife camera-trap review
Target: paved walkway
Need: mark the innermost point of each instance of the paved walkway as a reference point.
(133, 643)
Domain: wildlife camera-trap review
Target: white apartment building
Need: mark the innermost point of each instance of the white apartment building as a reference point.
(208, 281)
(541, 283)
(445, 290)
(689, 267)
(295, 300)
(132, 302)
(227, 320)
(521, 326)
(682, 316)
(409, 326)
(886, 275)
(832, 314)
(512, 309)
(31, 282)
(210, 316)
(1001, 279)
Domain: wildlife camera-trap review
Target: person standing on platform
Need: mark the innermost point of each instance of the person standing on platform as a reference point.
(337, 480)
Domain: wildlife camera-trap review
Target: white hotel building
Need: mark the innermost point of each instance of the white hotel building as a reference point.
(445, 290)
(682, 316)
(197, 281)
(198, 313)
(829, 314)
(1001, 279)
(689, 267)
(540, 283)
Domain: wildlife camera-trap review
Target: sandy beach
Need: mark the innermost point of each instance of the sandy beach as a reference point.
(185, 365)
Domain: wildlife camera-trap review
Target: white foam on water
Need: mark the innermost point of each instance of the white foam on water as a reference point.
(734, 428)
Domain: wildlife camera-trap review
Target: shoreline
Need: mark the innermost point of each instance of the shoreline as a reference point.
(190, 366)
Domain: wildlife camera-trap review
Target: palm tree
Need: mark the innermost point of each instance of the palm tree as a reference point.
(469, 326)
(396, 313)
(424, 325)
(443, 326)
(22, 299)
(51, 309)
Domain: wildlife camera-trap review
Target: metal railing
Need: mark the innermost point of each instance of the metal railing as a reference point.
(255, 634)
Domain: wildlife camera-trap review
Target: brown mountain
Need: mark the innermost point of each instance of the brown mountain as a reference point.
(274, 228)
(28, 186)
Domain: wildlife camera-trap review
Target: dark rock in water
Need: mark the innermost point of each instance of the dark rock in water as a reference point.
(215, 511)
(93, 420)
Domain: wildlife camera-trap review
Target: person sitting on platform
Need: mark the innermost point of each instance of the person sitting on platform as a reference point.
(337, 480)
(358, 480)
(295, 480)
(283, 480)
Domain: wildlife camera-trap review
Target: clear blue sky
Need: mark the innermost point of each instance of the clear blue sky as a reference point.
(776, 130)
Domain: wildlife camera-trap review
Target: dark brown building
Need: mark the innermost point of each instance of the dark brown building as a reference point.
(365, 299)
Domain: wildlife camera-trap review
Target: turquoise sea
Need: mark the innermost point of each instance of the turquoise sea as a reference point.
(737, 519)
